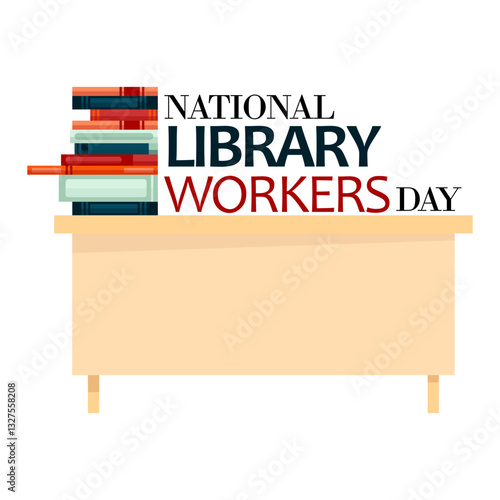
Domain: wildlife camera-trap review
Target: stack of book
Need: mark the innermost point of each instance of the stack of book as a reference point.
(114, 170)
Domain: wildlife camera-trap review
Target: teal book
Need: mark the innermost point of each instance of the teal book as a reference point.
(108, 188)
(115, 208)
(115, 102)
(115, 136)
(116, 148)
(108, 148)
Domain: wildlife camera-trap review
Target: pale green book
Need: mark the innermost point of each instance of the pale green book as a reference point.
(114, 136)
(108, 188)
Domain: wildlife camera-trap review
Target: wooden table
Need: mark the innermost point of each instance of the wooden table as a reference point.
(263, 295)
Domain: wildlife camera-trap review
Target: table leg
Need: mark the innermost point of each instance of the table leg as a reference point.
(93, 390)
(433, 394)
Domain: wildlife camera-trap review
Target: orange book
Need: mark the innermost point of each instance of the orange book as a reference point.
(116, 125)
(115, 91)
(92, 169)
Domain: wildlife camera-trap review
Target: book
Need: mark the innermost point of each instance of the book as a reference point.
(108, 188)
(105, 136)
(92, 169)
(112, 159)
(123, 114)
(116, 125)
(115, 91)
(115, 208)
(114, 149)
(109, 102)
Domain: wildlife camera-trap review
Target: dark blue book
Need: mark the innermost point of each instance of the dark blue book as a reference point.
(125, 148)
(109, 102)
(115, 208)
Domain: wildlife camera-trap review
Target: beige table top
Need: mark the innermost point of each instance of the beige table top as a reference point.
(264, 224)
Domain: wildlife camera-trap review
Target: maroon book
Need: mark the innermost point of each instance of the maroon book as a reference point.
(72, 160)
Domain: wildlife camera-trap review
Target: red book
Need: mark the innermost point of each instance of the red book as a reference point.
(124, 114)
(73, 160)
(92, 170)
(115, 91)
(116, 125)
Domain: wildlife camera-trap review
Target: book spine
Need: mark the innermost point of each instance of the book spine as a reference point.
(107, 102)
(115, 208)
(47, 170)
(115, 91)
(110, 149)
(108, 188)
(116, 125)
(88, 159)
(92, 170)
(124, 114)
(118, 136)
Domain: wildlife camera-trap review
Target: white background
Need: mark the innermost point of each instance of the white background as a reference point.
(377, 444)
